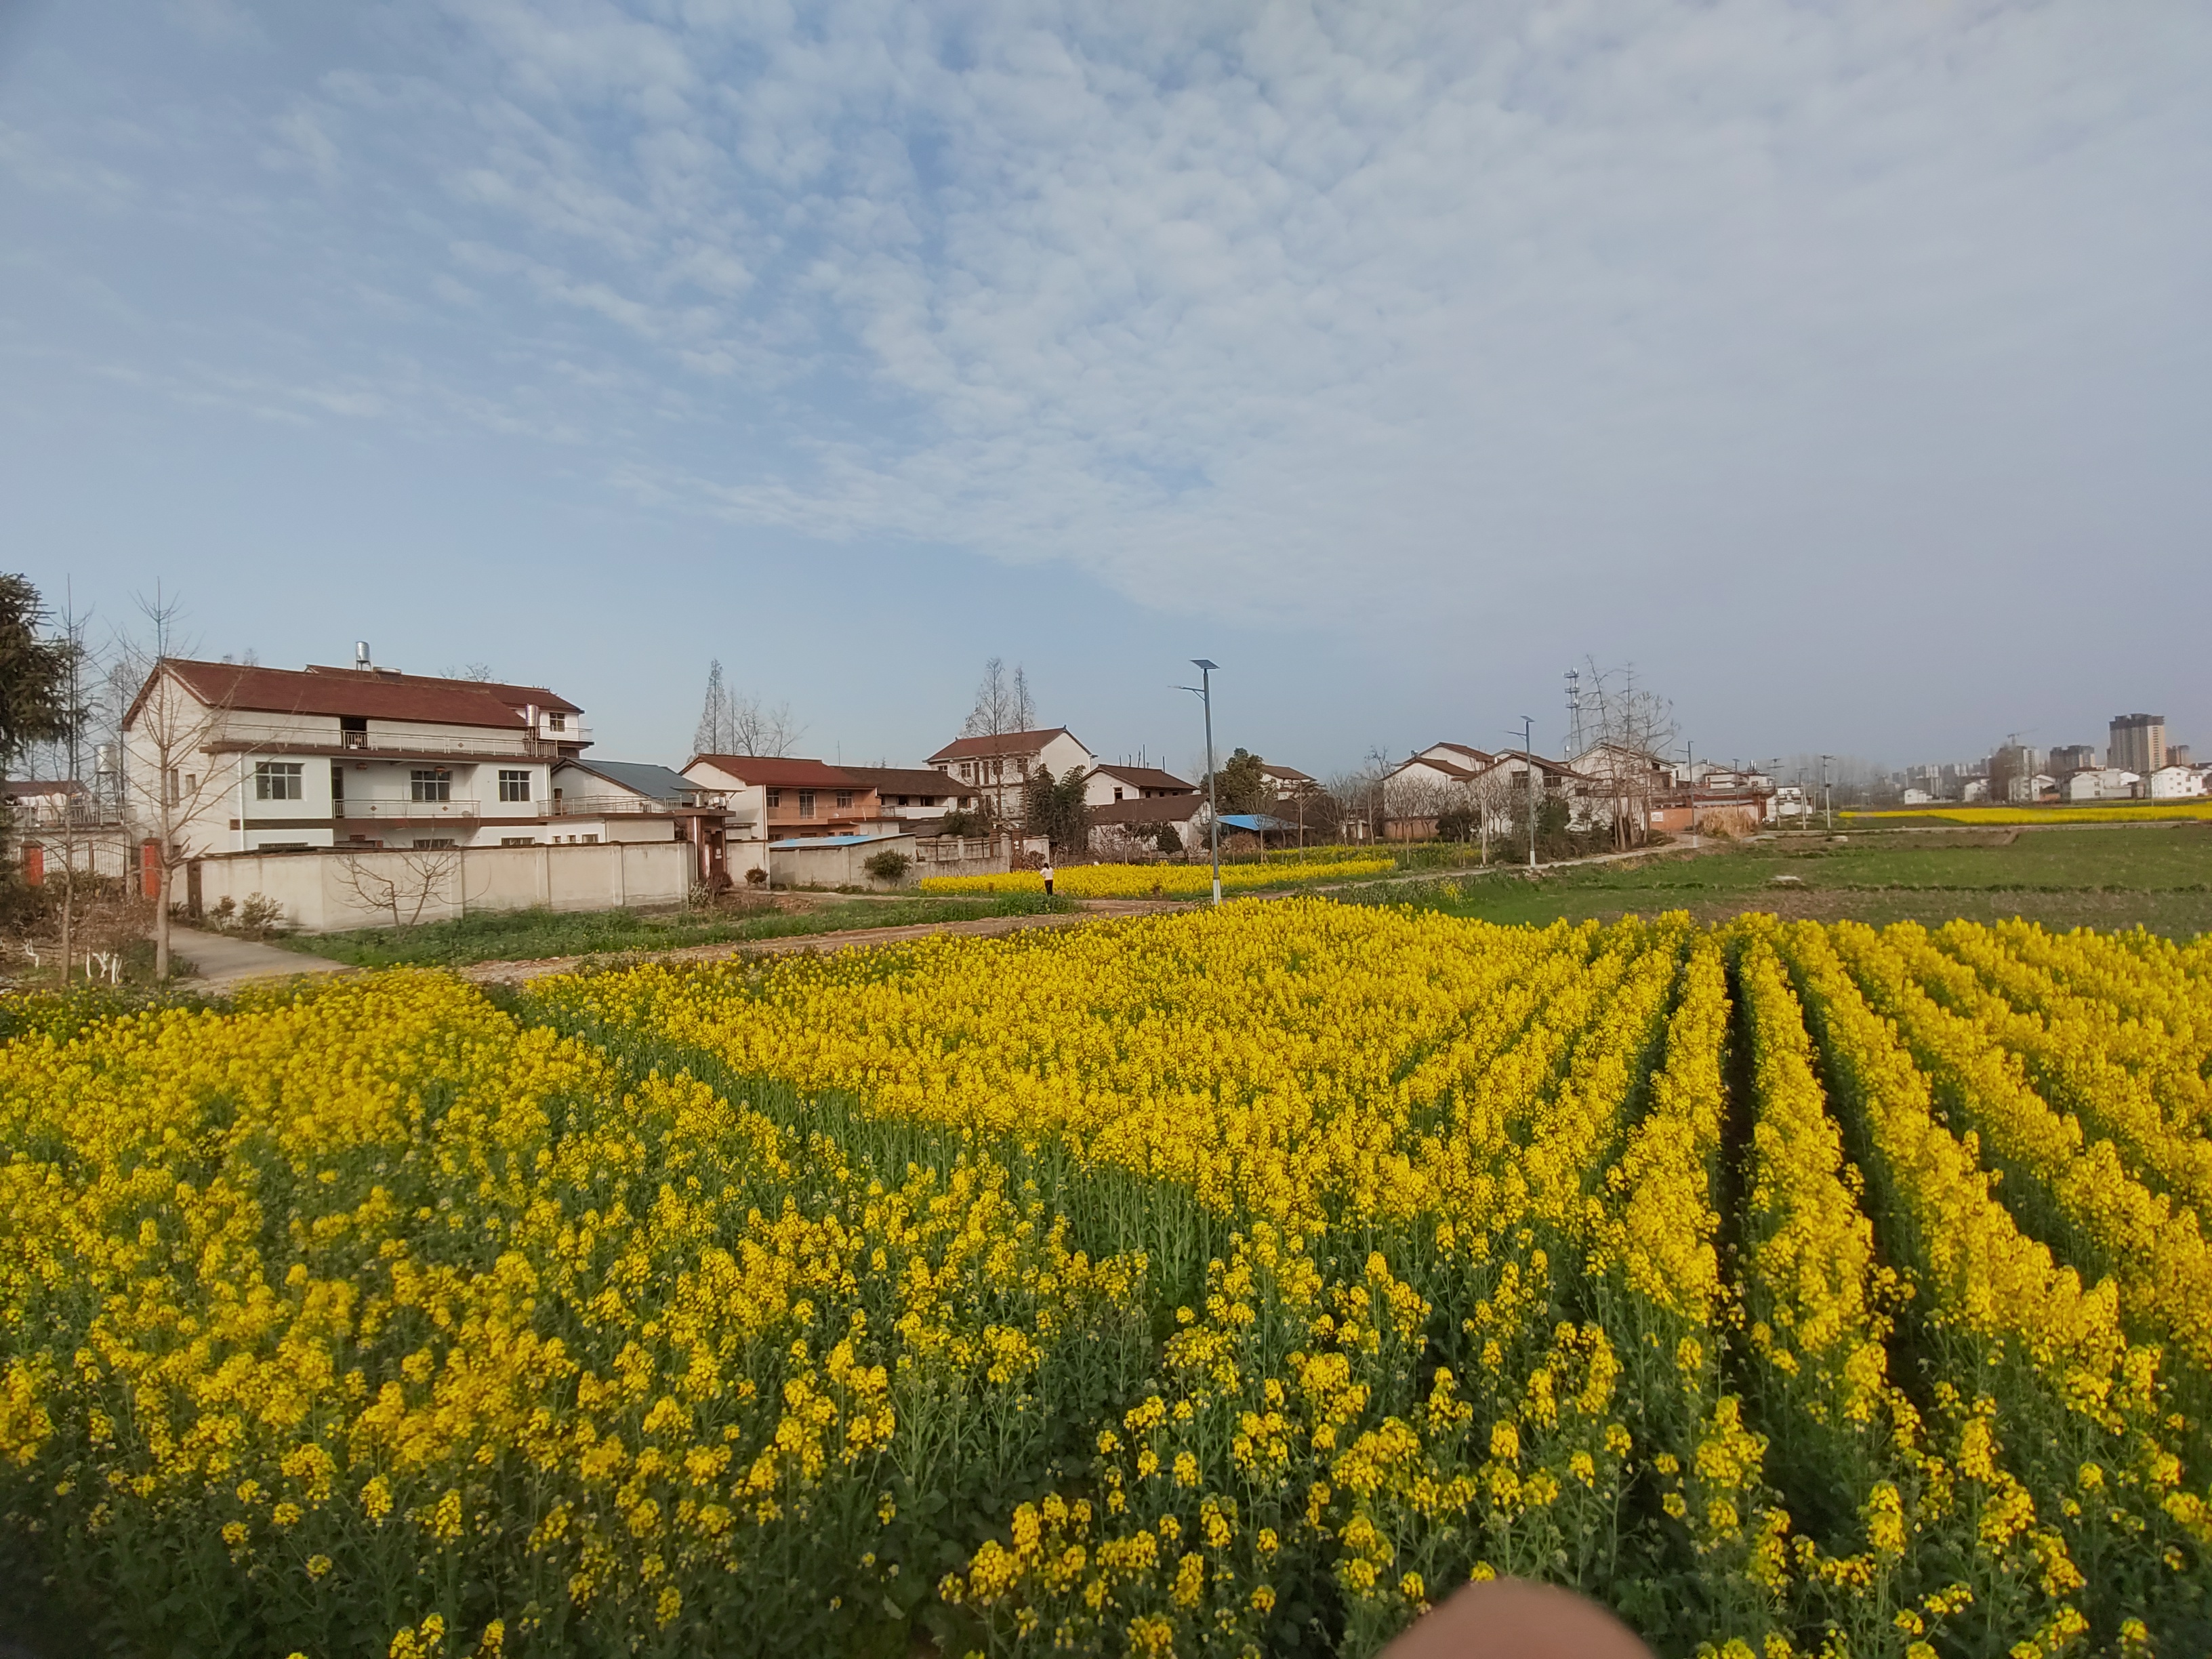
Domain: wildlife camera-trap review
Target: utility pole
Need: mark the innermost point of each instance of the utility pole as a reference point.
(1692, 749)
(1827, 796)
(1204, 692)
(1528, 760)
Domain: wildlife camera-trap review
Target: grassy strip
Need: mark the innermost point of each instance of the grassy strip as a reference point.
(526, 935)
(2160, 878)
(2148, 811)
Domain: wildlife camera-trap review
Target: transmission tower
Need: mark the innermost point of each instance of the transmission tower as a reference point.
(1574, 713)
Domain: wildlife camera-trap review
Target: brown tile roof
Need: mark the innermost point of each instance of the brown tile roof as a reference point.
(781, 772)
(1006, 743)
(1154, 809)
(1149, 777)
(371, 696)
(1461, 774)
(908, 780)
(1483, 758)
(514, 696)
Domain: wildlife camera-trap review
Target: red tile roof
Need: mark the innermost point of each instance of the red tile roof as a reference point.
(780, 772)
(514, 696)
(1149, 777)
(1006, 743)
(906, 781)
(372, 696)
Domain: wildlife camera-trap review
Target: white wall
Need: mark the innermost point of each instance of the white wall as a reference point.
(845, 865)
(315, 891)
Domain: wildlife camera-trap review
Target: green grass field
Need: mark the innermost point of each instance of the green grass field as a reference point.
(2158, 877)
(526, 935)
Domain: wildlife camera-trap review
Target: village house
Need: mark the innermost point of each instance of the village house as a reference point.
(2171, 782)
(2093, 783)
(998, 768)
(914, 795)
(1118, 827)
(423, 795)
(241, 758)
(1421, 789)
(1287, 782)
(597, 791)
(774, 801)
(1112, 782)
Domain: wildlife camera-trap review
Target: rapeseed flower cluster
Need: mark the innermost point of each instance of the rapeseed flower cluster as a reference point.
(1165, 880)
(1232, 1283)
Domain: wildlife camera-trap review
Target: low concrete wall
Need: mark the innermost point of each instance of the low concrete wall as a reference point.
(842, 867)
(323, 892)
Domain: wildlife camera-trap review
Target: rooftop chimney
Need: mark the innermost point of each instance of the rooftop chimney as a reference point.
(361, 654)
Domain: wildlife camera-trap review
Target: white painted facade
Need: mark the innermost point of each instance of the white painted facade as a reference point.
(2097, 783)
(241, 779)
(2176, 783)
(998, 770)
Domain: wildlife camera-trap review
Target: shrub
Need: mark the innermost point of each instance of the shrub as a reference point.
(890, 865)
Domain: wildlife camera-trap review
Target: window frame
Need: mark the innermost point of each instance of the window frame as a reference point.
(271, 777)
(431, 785)
(514, 784)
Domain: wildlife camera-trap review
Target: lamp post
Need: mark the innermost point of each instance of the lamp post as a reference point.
(1204, 692)
(1693, 750)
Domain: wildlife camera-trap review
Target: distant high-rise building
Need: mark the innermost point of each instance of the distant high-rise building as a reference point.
(2138, 743)
(2177, 754)
(2072, 758)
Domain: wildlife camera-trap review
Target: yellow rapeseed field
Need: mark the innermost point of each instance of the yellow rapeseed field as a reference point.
(1165, 880)
(1236, 1283)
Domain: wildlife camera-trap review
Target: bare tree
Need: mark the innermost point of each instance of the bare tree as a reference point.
(169, 776)
(765, 729)
(1626, 730)
(400, 884)
(733, 725)
(1003, 703)
(1490, 794)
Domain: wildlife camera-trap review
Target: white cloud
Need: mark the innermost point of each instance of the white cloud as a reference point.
(1286, 310)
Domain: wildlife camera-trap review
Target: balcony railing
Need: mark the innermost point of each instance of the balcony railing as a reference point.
(405, 806)
(278, 739)
(599, 806)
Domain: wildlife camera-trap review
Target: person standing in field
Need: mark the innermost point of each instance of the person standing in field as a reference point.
(1047, 873)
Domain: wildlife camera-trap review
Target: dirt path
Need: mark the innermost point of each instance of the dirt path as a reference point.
(517, 972)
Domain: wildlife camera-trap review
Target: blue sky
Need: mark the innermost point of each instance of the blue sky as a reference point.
(1843, 367)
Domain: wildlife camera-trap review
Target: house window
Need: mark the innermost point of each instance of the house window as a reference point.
(774, 799)
(844, 798)
(967, 771)
(517, 841)
(514, 786)
(1117, 794)
(277, 780)
(558, 722)
(807, 803)
(432, 843)
(431, 783)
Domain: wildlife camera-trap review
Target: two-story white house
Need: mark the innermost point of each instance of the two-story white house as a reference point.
(234, 758)
(998, 768)
(1110, 781)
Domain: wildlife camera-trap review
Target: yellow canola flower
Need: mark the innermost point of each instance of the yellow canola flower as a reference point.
(1168, 880)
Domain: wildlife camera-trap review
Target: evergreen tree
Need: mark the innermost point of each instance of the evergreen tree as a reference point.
(717, 731)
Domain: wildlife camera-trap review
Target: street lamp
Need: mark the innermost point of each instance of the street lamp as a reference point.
(1204, 692)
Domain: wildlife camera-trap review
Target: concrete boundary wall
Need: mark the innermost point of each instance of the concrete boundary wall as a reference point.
(318, 889)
